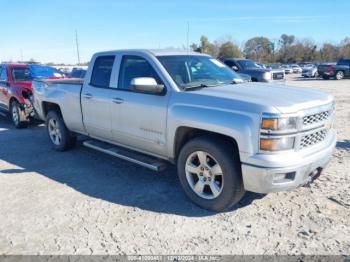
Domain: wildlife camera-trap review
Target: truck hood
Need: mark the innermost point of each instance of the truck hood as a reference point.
(283, 98)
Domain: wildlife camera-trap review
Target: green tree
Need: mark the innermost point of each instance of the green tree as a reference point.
(229, 49)
(205, 46)
(329, 52)
(345, 48)
(259, 49)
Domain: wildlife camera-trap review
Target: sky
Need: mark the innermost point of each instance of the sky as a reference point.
(45, 29)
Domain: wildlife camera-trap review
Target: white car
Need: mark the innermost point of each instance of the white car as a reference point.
(296, 69)
(287, 69)
(310, 71)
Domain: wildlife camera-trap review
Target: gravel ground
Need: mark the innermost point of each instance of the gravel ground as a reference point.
(85, 202)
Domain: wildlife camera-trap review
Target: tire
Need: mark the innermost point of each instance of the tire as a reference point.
(339, 75)
(325, 77)
(15, 115)
(61, 138)
(227, 183)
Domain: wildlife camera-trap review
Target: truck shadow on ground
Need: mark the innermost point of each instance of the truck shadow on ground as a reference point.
(98, 175)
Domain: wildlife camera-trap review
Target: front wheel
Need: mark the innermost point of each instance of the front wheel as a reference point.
(60, 136)
(339, 75)
(16, 115)
(210, 174)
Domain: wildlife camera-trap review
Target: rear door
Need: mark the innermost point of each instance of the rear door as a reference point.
(96, 99)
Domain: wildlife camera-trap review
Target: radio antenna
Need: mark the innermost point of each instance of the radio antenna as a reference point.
(77, 44)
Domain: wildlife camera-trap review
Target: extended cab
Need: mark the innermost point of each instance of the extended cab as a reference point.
(226, 137)
(16, 89)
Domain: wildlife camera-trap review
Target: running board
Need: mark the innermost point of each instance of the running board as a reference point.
(126, 154)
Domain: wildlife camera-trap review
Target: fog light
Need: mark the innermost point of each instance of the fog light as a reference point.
(283, 177)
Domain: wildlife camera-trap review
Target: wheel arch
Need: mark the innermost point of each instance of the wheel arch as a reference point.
(184, 134)
(49, 106)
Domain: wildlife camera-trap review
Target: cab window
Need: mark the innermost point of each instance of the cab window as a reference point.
(133, 67)
(101, 73)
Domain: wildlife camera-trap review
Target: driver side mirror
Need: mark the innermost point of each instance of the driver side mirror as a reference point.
(147, 85)
(234, 68)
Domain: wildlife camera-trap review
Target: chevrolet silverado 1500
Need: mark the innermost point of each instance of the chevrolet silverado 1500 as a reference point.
(226, 137)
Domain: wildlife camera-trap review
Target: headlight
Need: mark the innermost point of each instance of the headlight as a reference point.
(267, 76)
(279, 124)
(277, 144)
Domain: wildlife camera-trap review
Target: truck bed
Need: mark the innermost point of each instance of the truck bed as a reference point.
(70, 81)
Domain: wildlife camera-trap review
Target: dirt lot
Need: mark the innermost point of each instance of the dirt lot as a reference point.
(84, 202)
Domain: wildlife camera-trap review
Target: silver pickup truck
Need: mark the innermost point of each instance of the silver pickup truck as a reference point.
(226, 137)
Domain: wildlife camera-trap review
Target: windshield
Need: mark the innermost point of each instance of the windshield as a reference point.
(192, 71)
(45, 72)
(248, 64)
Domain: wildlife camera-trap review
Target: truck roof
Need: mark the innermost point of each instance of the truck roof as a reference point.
(15, 64)
(155, 52)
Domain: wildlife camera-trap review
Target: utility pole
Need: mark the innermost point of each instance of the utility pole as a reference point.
(77, 43)
(21, 55)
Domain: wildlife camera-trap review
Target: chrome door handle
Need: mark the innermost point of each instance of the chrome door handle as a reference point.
(88, 96)
(117, 100)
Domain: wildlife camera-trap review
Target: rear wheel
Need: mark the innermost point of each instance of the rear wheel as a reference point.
(339, 75)
(209, 174)
(16, 115)
(325, 77)
(60, 136)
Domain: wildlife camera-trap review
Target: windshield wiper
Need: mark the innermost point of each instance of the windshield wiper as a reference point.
(198, 86)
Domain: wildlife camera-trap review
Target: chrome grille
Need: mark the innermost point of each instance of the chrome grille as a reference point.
(277, 75)
(313, 119)
(313, 139)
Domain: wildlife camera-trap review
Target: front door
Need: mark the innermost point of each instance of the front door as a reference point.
(142, 117)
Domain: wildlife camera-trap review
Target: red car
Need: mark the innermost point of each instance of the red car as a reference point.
(16, 90)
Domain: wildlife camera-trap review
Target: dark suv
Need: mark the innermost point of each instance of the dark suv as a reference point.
(257, 73)
(338, 71)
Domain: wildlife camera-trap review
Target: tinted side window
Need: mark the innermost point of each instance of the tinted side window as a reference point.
(132, 67)
(229, 63)
(3, 74)
(101, 73)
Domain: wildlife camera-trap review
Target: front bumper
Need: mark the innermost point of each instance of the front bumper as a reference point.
(307, 74)
(300, 170)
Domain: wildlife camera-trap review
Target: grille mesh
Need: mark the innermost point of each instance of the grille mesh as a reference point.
(313, 139)
(277, 75)
(313, 119)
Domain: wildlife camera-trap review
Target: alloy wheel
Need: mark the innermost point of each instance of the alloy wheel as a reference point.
(204, 175)
(54, 132)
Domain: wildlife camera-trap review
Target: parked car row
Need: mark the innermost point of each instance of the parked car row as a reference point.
(338, 70)
(152, 108)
